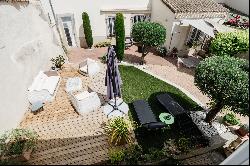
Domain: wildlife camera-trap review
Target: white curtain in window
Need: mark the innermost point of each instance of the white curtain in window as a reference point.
(110, 22)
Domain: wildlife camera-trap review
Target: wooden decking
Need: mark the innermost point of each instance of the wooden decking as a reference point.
(64, 136)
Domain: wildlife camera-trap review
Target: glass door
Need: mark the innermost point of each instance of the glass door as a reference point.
(68, 30)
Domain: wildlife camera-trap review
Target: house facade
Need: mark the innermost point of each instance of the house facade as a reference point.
(68, 15)
(183, 19)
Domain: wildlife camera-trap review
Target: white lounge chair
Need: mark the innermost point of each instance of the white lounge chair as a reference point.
(89, 67)
(85, 102)
(44, 87)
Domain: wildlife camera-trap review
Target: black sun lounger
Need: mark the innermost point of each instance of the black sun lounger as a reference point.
(183, 119)
(146, 116)
(170, 104)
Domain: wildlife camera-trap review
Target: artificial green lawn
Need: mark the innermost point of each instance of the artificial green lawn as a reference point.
(140, 85)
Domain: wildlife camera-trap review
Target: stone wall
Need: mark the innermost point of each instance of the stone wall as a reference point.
(26, 46)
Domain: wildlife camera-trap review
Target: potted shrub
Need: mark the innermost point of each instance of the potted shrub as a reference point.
(230, 119)
(243, 130)
(57, 62)
(119, 131)
(17, 144)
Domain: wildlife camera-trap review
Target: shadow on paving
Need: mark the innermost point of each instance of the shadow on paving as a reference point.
(75, 150)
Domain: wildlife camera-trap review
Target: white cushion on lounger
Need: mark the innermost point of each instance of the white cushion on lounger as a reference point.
(43, 87)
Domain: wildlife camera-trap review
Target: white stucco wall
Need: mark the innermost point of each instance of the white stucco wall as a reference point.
(162, 14)
(93, 8)
(240, 5)
(26, 46)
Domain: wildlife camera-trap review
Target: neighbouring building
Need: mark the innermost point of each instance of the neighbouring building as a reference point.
(68, 16)
(184, 19)
(239, 5)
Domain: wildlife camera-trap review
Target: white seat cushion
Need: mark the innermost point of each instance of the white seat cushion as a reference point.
(43, 88)
(90, 67)
(73, 84)
(82, 96)
(85, 102)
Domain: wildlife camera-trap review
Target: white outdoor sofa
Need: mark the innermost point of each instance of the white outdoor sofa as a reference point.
(85, 102)
(44, 87)
(89, 67)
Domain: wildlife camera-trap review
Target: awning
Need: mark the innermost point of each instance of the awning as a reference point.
(220, 27)
(201, 25)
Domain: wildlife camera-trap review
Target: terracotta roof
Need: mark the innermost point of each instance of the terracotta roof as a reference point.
(196, 8)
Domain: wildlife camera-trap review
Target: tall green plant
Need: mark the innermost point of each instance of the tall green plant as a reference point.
(225, 80)
(118, 130)
(148, 34)
(87, 29)
(232, 43)
(120, 36)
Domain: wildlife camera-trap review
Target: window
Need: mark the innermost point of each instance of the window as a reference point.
(139, 18)
(195, 35)
(110, 22)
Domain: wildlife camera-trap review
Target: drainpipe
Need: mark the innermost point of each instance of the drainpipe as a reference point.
(57, 28)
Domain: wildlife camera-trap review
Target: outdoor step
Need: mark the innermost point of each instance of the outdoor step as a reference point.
(80, 150)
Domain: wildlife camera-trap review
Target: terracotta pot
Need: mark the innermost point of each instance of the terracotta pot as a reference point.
(242, 132)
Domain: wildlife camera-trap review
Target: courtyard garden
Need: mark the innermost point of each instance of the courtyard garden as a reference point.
(68, 130)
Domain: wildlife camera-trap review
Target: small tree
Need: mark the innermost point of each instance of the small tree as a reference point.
(148, 34)
(231, 43)
(87, 29)
(120, 36)
(225, 80)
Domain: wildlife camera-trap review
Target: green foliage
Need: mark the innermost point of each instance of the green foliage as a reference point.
(149, 33)
(87, 29)
(184, 144)
(154, 154)
(58, 61)
(102, 44)
(120, 36)
(225, 80)
(15, 141)
(119, 131)
(231, 119)
(116, 156)
(231, 43)
(103, 58)
(133, 154)
(162, 50)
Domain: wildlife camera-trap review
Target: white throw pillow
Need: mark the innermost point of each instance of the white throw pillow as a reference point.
(82, 95)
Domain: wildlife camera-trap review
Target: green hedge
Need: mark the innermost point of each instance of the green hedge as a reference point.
(148, 34)
(87, 29)
(231, 43)
(120, 36)
(225, 80)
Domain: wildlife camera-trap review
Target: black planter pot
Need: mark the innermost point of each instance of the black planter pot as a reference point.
(140, 49)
